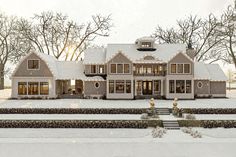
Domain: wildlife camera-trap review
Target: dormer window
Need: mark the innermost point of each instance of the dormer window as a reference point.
(33, 64)
(146, 44)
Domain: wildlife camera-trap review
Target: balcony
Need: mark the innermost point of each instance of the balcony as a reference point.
(161, 73)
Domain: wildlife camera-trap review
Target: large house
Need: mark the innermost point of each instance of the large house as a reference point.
(120, 71)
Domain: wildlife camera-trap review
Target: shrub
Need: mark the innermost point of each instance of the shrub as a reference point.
(158, 132)
(144, 116)
(193, 133)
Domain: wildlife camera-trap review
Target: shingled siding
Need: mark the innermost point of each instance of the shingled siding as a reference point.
(218, 89)
(22, 70)
(203, 91)
(90, 89)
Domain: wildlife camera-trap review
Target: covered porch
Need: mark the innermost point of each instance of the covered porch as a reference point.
(149, 88)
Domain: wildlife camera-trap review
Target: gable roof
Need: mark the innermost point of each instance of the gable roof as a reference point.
(211, 72)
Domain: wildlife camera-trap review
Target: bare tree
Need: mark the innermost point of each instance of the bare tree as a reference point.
(201, 34)
(228, 31)
(12, 45)
(54, 34)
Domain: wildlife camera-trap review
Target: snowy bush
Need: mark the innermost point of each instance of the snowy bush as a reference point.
(190, 117)
(158, 132)
(144, 116)
(193, 133)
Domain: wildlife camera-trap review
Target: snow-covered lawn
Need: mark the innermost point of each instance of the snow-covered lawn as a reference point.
(115, 143)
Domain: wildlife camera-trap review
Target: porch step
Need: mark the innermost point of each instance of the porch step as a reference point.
(171, 124)
(71, 96)
(163, 111)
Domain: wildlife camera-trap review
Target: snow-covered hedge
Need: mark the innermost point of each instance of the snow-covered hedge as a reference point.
(208, 123)
(72, 110)
(158, 132)
(209, 110)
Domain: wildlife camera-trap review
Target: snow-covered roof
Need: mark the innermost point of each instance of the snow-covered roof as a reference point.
(95, 56)
(163, 52)
(211, 72)
(146, 38)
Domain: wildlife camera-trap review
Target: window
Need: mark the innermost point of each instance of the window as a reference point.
(188, 86)
(147, 69)
(101, 69)
(126, 68)
(200, 84)
(33, 88)
(22, 88)
(33, 64)
(139, 69)
(180, 87)
(111, 86)
(113, 68)
(93, 69)
(146, 44)
(120, 87)
(173, 68)
(180, 68)
(128, 86)
(172, 86)
(155, 69)
(139, 87)
(156, 86)
(44, 88)
(96, 84)
(120, 68)
(186, 68)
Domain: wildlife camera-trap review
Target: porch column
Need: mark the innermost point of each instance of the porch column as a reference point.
(162, 87)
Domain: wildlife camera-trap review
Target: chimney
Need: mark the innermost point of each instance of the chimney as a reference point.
(190, 51)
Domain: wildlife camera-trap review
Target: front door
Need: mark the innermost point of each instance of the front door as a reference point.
(147, 87)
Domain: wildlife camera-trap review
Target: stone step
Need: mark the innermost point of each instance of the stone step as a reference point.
(171, 124)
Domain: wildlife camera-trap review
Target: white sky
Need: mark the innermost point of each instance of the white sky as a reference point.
(131, 18)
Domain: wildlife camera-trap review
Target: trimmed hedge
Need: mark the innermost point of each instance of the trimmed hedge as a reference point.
(209, 110)
(73, 110)
(208, 123)
(77, 123)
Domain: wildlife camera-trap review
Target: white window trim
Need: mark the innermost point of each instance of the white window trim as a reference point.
(176, 68)
(99, 69)
(28, 64)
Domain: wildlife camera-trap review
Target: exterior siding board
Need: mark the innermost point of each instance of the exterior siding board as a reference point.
(218, 89)
(90, 89)
(203, 91)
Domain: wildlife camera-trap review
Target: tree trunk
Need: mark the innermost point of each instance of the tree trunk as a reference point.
(1, 76)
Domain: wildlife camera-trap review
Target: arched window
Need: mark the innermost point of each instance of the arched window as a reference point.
(148, 58)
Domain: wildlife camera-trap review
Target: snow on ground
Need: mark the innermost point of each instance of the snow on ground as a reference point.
(93, 103)
(114, 143)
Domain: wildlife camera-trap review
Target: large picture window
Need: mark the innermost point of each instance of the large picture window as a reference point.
(33, 88)
(173, 68)
(180, 86)
(171, 86)
(113, 68)
(188, 86)
(44, 88)
(120, 87)
(22, 88)
(33, 64)
(111, 86)
(128, 86)
(120, 68)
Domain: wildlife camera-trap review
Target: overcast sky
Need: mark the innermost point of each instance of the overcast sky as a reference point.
(131, 18)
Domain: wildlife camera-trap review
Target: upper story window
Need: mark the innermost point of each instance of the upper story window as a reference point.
(93, 69)
(101, 69)
(146, 44)
(33, 64)
(180, 68)
(120, 68)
